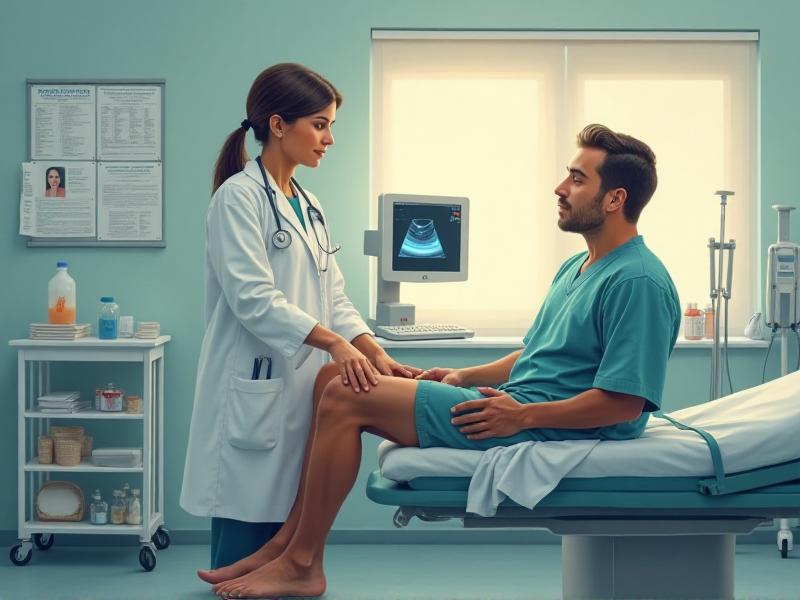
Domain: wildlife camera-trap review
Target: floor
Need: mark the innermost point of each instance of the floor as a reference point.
(356, 572)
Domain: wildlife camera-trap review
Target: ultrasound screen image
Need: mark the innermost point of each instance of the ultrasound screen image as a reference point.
(427, 237)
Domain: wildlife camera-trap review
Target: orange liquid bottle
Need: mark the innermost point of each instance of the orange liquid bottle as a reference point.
(61, 308)
(693, 322)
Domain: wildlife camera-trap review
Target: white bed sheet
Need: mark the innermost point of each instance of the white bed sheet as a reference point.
(756, 427)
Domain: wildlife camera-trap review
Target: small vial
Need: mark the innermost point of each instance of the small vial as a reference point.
(709, 322)
(693, 322)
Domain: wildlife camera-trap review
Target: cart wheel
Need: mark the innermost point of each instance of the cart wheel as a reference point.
(147, 558)
(161, 538)
(44, 541)
(400, 519)
(784, 548)
(18, 558)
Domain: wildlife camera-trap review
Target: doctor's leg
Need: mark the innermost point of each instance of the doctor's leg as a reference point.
(243, 560)
(332, 468)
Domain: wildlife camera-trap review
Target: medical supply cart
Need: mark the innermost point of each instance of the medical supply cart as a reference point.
(33, 373)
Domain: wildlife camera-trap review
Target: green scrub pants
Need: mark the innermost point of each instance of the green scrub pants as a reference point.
(232, 540)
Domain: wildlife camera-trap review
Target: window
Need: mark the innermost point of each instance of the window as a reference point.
(496, 120)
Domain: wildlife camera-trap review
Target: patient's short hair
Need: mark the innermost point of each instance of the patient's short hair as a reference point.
(629, 164)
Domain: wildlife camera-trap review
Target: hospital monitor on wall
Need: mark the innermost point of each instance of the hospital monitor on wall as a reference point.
(420, 239)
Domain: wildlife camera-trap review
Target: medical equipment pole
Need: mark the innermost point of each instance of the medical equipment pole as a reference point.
(718, 293)
(783, 281)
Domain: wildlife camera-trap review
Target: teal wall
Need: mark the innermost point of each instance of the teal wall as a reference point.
(209, 53)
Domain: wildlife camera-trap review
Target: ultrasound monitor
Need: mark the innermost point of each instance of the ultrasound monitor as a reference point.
(420, 239)
(423, 238)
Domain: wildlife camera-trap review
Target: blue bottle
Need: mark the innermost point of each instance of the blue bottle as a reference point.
(108, 319)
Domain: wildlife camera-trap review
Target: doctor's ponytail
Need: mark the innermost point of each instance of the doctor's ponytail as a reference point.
(287, 89)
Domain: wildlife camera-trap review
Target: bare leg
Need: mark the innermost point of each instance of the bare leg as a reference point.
(332, 469)
(273, 548)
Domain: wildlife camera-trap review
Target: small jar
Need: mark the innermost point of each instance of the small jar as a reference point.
(108, 319)
(693, 322)
(117, 509)
(134, 509)
(112, 399)
(98, 510)
(133, 404)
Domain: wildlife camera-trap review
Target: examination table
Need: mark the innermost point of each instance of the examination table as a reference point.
(654, 517)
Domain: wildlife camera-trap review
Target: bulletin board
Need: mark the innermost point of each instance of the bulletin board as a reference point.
(95, 169)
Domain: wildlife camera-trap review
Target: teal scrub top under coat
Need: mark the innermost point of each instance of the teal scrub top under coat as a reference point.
(611, 327)
(295, 202)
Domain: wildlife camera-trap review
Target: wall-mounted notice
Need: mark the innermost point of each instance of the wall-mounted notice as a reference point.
(58, 199)
(94, 175)
(62, 122)
(130, 201)
(129, 119)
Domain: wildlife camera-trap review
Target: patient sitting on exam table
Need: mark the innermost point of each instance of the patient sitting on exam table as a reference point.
(593, 366)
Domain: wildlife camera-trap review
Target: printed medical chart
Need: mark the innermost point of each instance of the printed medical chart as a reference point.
(130, 201)
(58, 199)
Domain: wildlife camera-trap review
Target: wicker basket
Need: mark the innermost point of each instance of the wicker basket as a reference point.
(58, 431)
(70, 504)
(67, 451)
(44, 450)
(86, 446)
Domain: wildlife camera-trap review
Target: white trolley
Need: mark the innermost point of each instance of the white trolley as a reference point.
(33, 374)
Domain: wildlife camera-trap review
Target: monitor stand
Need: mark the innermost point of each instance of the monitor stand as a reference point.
(389, 310)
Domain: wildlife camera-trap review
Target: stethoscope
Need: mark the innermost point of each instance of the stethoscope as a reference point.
(282, 238)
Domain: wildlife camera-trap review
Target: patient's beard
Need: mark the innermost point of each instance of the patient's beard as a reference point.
(589, 218)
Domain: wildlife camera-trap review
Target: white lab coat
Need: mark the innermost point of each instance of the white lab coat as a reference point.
(247, 438)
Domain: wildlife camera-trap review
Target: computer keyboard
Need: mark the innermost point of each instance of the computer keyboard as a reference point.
(435, 331)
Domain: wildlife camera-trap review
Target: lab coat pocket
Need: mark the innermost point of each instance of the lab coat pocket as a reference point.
(255, 413)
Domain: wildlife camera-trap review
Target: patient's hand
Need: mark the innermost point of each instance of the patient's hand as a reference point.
(449, 376)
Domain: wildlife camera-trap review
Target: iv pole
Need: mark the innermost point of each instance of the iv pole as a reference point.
(782, 301)
(718, 294)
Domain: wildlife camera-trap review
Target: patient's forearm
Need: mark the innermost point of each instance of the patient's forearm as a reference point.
(592, 408)
(490, 374)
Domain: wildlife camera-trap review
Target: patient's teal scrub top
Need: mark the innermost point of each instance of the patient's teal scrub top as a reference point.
(611, 327)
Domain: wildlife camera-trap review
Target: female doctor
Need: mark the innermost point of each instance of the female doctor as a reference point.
(275, 307)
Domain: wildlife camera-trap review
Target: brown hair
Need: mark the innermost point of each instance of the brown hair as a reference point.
(288, 90)
(629, 164)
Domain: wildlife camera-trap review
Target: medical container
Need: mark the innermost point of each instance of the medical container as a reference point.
(118, 509)
(108, 319)
(134, 516)
(98, 510)
(111, 399)
(61, 308)
(708, 314)
(693, 322)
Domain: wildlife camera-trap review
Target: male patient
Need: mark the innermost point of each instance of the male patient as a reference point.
(593, 366)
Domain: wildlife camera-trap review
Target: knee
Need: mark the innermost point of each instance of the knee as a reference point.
(337, 399)
(326, 374)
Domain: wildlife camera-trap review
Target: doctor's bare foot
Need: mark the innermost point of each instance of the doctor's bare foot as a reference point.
(268, 552)
(281, 577)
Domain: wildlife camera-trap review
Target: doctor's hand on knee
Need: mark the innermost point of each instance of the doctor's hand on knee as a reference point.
(388, 366)
(354, 367)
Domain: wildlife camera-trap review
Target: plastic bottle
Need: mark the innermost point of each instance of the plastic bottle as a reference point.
(134, 516)
(108, 319)
(693, 322)
(98, 510)
(709, 322)
(117, 509)
(61, 308)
